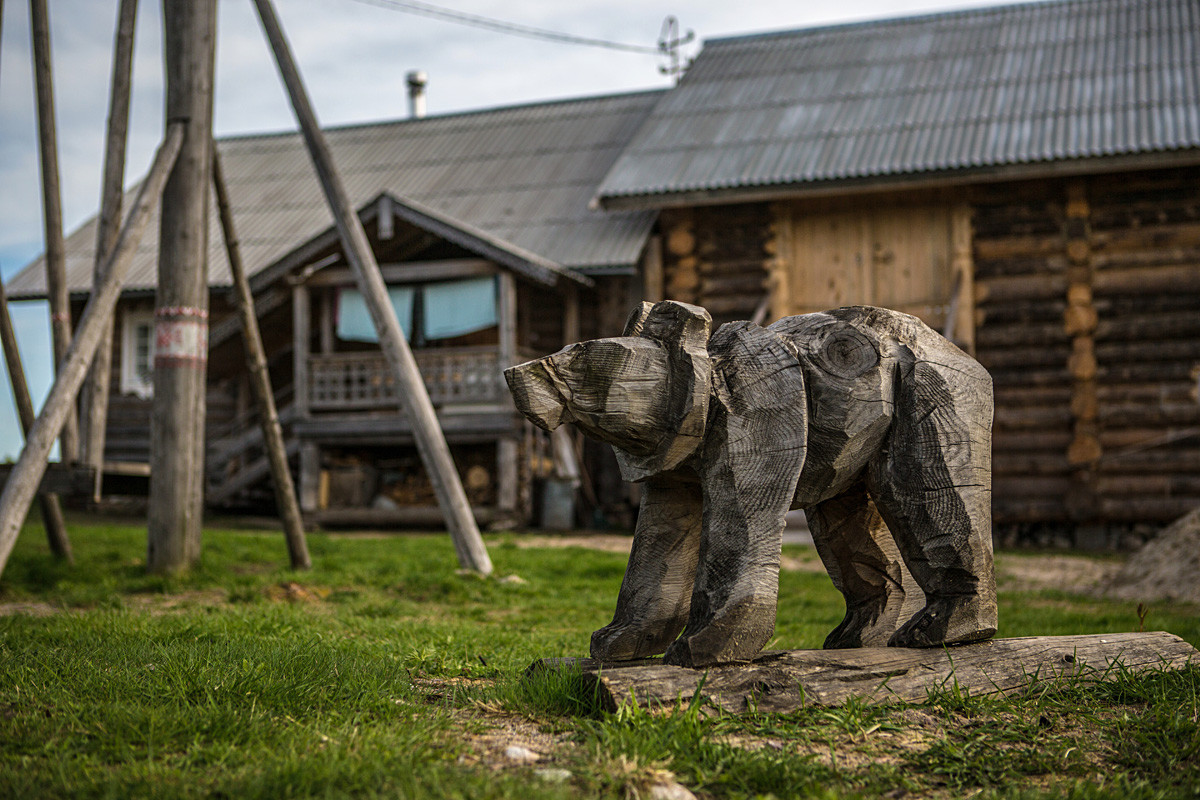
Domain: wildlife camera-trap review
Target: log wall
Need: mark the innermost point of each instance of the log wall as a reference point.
(1086, 310)
(1088, 317)
(718, 257)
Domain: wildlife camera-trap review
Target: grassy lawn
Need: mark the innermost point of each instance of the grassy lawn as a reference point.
(384, 673)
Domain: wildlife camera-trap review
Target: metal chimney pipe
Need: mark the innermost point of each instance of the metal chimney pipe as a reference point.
(417, 80)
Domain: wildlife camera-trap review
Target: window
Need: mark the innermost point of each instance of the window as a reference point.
(137, 353)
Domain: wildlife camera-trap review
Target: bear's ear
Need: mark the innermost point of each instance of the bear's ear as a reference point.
(682, 331)
(633, 326)
(674, 324)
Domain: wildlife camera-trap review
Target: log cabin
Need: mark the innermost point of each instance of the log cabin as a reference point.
(480, 222)
(1024, 178)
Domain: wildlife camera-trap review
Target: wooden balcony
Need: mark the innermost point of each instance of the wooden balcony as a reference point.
(363, 381)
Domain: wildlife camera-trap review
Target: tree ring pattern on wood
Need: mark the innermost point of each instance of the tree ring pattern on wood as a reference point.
(843, 351)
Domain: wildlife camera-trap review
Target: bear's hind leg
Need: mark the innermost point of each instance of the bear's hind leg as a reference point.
(932, 485)
(865, 566)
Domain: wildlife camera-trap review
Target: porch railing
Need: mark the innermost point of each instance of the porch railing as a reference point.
(353, 381)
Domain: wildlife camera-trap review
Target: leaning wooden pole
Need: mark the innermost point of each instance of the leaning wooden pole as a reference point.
(176, 509)
(94, 418)
(27, 474)
(414, 398)
(260, 381)
(52, 515)
(56, 271)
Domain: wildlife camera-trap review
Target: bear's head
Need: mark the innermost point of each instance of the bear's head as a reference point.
(646, 392)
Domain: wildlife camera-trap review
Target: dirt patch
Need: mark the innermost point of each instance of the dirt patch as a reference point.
(292, 592)
(495, 738)
(1024, 573)
(166, 603)
(607, 542)
(1014, 572)
(29, 609)
(1165, 568)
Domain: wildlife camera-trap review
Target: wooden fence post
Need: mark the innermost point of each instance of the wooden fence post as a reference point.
(94, 417)
(52, 516)
(414, 397)
(56, 275)
(260, 381)
(177, 442)
(25, 477)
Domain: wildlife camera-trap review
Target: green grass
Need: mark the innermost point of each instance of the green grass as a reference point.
(384, 673)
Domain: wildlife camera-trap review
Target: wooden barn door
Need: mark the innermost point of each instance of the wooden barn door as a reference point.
(903, 257)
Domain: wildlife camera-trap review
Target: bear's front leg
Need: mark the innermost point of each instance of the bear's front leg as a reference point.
(737, 582)
(656, 592)
(751, 462)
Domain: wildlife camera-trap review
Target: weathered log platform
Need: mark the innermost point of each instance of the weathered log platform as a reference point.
(785, 680)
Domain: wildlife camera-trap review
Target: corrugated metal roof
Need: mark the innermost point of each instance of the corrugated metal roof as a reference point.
(522, 174)
(990, 87)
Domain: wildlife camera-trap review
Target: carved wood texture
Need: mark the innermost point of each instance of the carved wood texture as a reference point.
(866, 417)
(783, 681)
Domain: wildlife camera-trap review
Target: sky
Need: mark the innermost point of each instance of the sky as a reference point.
(354, 55)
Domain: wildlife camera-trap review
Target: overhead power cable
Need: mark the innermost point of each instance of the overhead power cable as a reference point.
(515, 29)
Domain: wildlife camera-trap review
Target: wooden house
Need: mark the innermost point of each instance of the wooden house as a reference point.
(481, 225)
(1025, 178)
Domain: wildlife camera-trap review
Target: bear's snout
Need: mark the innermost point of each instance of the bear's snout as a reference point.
(535, 394)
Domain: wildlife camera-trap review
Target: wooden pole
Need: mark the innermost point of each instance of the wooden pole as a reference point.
(260, 381)
(431, 443)
(27, 474)
(52, 515)
(176, 508)
(95, 395)
(56, 274)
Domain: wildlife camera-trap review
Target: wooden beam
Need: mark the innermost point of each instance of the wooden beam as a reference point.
(176, 506)
(506, 316)
(301, 337)
(260, 382)
(94, 418)
(95, 322)
(56, 271)
(652, 271)
(52, 516)
(431, 444)
(325, 327)
(415, 272)
(784, 681)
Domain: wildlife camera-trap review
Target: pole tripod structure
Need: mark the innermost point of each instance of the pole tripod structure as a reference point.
(26, 476)
(94, 417)
(176, 508)
(56, 271)
(52, 515)
(414, 398)
(260, 381)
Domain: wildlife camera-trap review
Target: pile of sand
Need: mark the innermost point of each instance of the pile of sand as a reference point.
(1166, 568)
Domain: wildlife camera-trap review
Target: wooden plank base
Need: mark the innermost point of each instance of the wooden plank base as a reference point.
(785, 680)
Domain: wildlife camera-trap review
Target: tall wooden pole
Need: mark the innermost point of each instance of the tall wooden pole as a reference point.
(52, 516)
(260, 381)
(95, 395)
(181, 311)
(27, 474)
(56, 273)
(414, 398)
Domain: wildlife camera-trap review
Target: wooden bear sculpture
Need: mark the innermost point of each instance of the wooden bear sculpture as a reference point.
(866, 418)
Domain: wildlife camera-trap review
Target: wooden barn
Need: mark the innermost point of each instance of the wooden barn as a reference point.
(1025, 178)
(481, 225)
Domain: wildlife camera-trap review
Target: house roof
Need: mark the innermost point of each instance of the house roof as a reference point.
(517, 179)
(929, 95)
